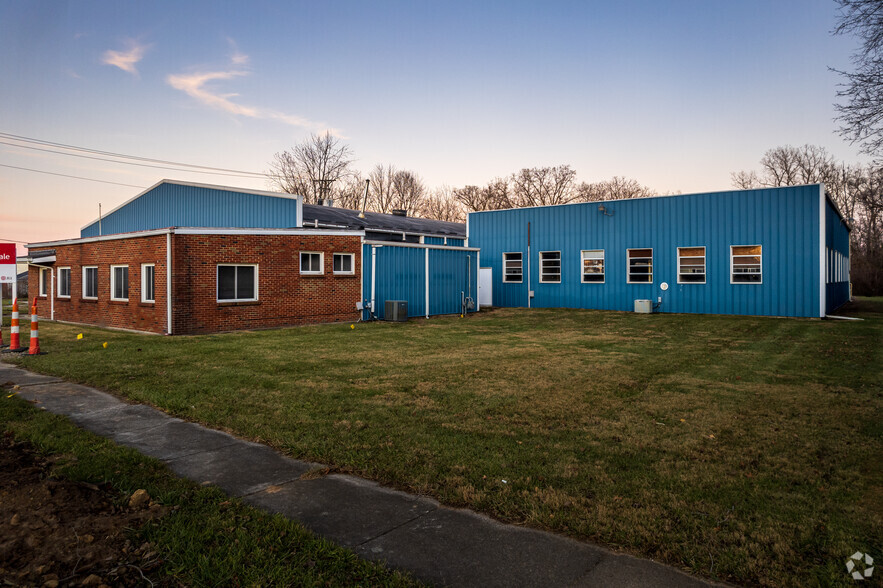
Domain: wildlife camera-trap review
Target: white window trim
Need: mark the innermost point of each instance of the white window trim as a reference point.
(521, 279)
(144, 282)
(321, 255)
(761, 266)
(352, 271)
(256, 282)
(628, 273)
(83, 284)
(582, 272)
(68, 295)
(41, 281)
(113, 282)
(560, 268)
(704, 263)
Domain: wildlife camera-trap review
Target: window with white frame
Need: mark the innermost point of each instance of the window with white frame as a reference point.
(64, 282)
(550, 267)
(343, 263)
(237, 282)
(312, 262)
(44, 278)
(512, 267)
(90, 282)
(593, 266)
(148, 274)
(691, 265)
(640, 266)
(119, 282)
(746, 264)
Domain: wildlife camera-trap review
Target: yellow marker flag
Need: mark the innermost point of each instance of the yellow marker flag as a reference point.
(352, 326)
(79, 336)
(104, 344)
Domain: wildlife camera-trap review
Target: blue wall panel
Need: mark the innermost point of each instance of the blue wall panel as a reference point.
(175, 205)
(784, 221)
(837, 259)
(401, 275)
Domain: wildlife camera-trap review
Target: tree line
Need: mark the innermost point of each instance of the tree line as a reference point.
(321, 167)
(856, 189)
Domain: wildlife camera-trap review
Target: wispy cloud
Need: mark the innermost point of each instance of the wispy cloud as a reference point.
(200, 86)
(126, 60)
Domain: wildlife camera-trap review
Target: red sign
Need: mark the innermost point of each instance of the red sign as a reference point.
(7, 262)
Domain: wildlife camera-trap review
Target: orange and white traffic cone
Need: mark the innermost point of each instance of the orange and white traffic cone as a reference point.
(14, 344)
(34, 349)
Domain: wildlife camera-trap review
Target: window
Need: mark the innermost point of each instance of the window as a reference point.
(640, 266)
(119, 282)
(512, 267)
(44, 275)
(343, 263)
(593, 266)
(746, 264)
(691, 265)
(64, 282)
(147, 282)
(311, 263)
(550, 266)
(237, 283)
(90, 282)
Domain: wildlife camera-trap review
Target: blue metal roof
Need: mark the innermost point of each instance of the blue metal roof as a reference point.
(180, 204)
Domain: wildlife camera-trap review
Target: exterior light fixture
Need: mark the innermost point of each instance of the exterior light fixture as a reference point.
(603, 210)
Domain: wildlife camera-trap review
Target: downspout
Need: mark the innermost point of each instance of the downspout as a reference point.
(528, 265)
(427, 281)
(169, 282)
(373, 277)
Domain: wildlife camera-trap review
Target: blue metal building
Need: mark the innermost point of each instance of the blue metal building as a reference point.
(776, 252)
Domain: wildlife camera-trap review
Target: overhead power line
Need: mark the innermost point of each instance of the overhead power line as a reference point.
(124, 156)
(189, 171)
(40, 171)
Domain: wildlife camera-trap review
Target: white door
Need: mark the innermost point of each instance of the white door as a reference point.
(485, 286)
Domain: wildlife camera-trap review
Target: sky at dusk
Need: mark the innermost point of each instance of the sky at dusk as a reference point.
(676, 95)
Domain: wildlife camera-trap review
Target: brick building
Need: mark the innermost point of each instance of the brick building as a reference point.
(157, 276)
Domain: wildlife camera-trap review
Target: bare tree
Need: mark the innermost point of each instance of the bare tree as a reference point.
(350, 192)
(380, 195)
(408, 191)
(312, 167)
(861, 114)
(543, 186)
(857, 191)
(616, 188)
(442, 205)
(493, 196)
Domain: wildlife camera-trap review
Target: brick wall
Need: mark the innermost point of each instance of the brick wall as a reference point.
(103, 311)
(285, 297)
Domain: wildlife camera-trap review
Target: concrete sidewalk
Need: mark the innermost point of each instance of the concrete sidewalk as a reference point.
(436, 544)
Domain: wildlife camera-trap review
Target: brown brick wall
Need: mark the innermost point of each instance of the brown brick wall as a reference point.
(105, 312)
(285, 297)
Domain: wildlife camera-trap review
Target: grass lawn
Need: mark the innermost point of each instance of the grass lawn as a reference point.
(739, 448)
(208, 539)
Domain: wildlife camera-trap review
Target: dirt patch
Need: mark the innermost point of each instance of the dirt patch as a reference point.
(61, 533)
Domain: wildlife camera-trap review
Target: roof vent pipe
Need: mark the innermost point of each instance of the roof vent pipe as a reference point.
(365, 199)
(399, 212)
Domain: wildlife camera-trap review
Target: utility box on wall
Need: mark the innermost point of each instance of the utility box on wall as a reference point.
(396, 310)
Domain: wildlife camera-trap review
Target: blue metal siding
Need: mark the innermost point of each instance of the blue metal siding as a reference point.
(175, 205)
(784, 221)
(836, 241)
(456, 242)
(434, 240)
(401, 275)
